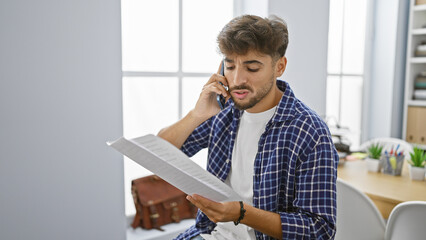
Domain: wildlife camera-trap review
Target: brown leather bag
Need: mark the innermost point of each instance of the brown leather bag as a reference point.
(158, 203)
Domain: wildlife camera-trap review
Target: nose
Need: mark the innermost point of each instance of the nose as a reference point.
(239, 76)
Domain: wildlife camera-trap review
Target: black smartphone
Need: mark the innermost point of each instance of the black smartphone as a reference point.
(221, 99)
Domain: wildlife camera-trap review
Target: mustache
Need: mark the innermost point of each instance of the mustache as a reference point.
(241, 87)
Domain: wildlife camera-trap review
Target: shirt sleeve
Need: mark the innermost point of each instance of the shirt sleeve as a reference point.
(314, 214)
(198, 139)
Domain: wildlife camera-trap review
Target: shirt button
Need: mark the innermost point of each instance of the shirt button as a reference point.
(227, 161)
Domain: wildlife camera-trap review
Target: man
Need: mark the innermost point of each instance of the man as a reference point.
(274, 151)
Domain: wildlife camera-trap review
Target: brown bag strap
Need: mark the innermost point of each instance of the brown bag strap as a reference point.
(154, 215)
(175, 212)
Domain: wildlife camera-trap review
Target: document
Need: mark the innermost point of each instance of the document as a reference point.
(172, 165)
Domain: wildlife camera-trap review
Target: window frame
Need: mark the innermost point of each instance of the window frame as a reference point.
(365, 76)
(179, 74)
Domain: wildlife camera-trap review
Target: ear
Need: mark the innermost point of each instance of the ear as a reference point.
(280, 66)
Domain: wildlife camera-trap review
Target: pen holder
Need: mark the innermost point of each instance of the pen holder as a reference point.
(392, 164)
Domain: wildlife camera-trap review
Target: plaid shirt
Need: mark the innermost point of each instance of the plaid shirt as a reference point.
(294, 170)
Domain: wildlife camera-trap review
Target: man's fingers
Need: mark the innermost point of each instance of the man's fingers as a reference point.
(217, 78)
(202, 201)
(197, 203)
(207, 206)
(217, 88)
(189, 198)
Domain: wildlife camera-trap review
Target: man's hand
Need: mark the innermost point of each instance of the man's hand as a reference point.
(261, 220)
(215, 211)
(207, 105)
(205, 108)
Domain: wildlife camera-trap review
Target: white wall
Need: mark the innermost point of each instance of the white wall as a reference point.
(387, 70)
(60, 100)
(306, 72)
(252, 7)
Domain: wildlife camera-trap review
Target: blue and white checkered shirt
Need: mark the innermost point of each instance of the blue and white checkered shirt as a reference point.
(294, 170)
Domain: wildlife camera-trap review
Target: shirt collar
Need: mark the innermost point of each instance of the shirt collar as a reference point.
(285, 109)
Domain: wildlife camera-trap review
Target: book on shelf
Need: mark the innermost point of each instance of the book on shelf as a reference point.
(420, 83)
(420, 94)
(421, 50)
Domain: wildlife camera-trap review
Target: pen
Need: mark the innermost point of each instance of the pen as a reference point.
(396, 150)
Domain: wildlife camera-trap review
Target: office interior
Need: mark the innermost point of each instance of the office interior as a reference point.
(61, 100)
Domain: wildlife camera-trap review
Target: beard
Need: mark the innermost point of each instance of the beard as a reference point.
(261, 93)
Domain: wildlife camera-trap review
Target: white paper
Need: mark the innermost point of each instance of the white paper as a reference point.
(172, 165)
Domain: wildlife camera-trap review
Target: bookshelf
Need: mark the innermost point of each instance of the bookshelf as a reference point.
(414, 123)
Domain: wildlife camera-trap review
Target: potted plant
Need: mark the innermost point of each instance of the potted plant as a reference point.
(373, 158)
(417, 164)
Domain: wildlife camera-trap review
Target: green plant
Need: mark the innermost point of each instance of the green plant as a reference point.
(418, 157)
(375, 151)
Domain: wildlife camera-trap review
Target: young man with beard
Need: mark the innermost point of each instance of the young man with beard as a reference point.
(273, 150)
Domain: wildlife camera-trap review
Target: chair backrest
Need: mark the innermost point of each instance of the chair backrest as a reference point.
(407, 221)
(357, 216)
(388, 144)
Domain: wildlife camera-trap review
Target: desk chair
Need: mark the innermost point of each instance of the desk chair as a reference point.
(357, 216)
(388, 143)
(407, 221)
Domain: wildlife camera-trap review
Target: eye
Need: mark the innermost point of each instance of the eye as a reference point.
(230, 68)
(253, 69)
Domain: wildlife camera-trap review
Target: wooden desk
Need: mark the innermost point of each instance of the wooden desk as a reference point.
(386, 191)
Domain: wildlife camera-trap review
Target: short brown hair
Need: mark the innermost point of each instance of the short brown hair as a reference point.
(248, 32)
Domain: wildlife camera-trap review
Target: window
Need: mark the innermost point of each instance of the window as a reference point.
(346, 44)
(169, 52)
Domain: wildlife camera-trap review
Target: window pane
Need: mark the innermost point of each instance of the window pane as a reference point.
(351, 107)
(354, 36)
(333, 98)
(335, 36)
(150, 35)
(191, 89)
(202, 22)
(149, 104)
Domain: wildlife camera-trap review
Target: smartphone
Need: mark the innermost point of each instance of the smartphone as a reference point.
(221, 99)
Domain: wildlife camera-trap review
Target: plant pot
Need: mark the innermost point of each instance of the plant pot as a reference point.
(373, 165)
(417, 173)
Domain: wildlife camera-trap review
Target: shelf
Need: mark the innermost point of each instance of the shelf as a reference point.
(413, 119)
(419, 31)
(418, 60)
(421, 7)
(416, 103)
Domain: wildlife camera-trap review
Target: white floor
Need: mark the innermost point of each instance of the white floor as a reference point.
(170, 231)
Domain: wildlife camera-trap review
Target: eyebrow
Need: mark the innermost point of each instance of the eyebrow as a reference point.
(245, 62)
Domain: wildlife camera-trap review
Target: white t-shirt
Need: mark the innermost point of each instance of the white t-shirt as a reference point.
(240, 177)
